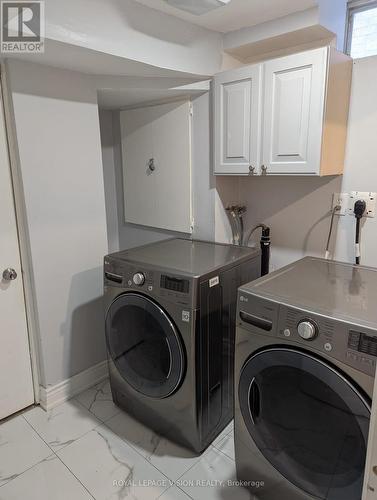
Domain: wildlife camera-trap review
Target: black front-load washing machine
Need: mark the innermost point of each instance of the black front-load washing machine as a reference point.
(306, 351)
(170, 325)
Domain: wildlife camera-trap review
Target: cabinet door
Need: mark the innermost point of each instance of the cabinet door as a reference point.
(160, 196)
(237, 120)
(172, 151)
(293, 112)
(139, 181)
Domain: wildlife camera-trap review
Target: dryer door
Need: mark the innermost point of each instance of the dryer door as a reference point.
(308, 420)
(144, 345)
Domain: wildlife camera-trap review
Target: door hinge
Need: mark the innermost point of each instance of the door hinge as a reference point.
(192, 223)
(191, 108)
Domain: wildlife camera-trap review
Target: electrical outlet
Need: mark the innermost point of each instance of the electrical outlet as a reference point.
(342, 200)
(370, 200)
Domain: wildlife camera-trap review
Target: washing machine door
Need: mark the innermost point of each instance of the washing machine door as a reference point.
(144, 345)
(308, 420)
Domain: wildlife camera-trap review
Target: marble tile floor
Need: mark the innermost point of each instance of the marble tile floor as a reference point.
(87, 448)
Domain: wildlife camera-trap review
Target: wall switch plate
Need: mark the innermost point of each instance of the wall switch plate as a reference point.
(370, 200)
(341, 199)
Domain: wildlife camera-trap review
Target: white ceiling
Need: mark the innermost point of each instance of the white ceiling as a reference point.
(237, 14)
(123, 98)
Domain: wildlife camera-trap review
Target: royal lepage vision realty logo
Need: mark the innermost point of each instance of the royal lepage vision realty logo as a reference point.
(22, 27)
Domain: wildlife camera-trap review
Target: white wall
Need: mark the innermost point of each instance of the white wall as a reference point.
(123, 235)
(127, 29)
(202, 179)
(111, 181)
(332, 15)
(56, 120)
(298, 208)
(324, 23)
(361, 160)
(271, 29)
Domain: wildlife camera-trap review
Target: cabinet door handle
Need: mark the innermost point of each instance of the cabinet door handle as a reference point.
(264, 169)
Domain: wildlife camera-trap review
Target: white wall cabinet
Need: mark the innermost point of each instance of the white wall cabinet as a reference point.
(293, 113)
(156, 149)
(297, 115)
(237, 129)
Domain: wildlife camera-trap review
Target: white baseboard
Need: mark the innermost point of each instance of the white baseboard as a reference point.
(54, 395)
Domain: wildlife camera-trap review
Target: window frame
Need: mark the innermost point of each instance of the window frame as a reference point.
(354, 7)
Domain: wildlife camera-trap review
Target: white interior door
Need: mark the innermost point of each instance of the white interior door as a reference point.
(16, 383)
(293, 112)
(237, 120)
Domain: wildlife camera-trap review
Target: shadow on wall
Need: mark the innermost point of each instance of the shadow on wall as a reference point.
(296, 208)
(50, 83)
(169, 30)
(83, 330)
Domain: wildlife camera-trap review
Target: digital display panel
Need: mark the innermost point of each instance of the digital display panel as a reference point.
(362, 343)
(174, 284)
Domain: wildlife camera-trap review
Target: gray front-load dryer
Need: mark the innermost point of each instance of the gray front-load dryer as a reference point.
(170, 325)
(306, 350)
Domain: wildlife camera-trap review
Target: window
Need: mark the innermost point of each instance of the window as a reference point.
(362, 28)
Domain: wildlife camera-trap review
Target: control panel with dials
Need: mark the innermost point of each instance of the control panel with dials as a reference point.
(138, 279)
(337, 339)
(146, 280)
(333, 337)
(307, 329)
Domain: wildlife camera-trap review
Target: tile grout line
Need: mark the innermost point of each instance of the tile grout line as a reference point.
(94, 415)
(216, 446)
(74, 475)
(150, 463)
(172, 486)
(225, 454)
(185, 492)
(37, 433)
(211, 446)
(57, 456)
(194, 464)
(29, 468)
(221, 440)
(66, 445)
(140, 454)
(104, 423)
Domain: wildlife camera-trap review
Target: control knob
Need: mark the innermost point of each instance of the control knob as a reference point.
(307, 330)
(138, 279)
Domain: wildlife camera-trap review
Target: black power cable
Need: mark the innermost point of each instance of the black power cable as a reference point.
(358, 209)
(333, 212)
(265, 244)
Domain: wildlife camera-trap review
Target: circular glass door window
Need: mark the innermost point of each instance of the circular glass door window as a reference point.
(144, 345)
(308, 420)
